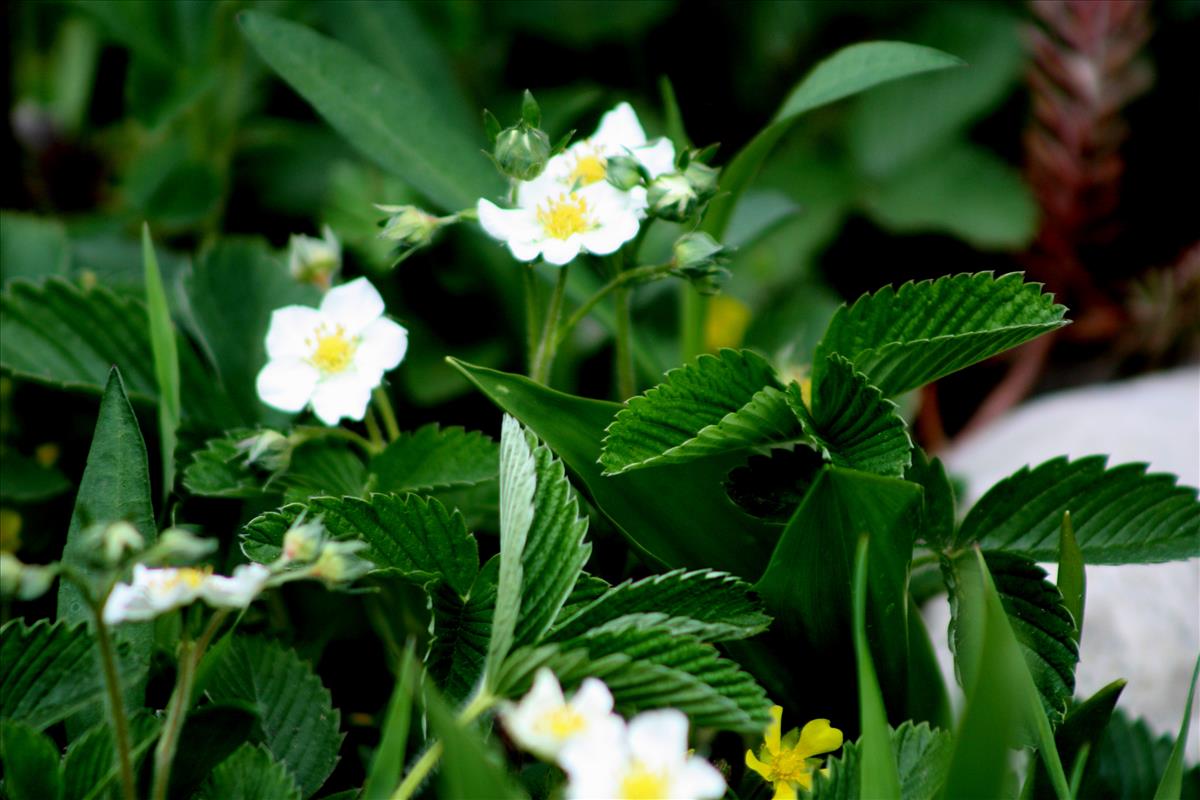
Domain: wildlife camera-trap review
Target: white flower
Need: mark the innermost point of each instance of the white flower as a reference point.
(315, 261)
(332, 356)
(649, 759)
(153, 592)
(570, 207)
(236, 591)
(544, 721)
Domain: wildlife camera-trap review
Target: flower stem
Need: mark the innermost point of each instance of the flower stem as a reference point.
(531, 315)
(544, 357)
(384, 404)
(429, 759)
(164, 753)
(641, 274)
(373, 431)
(693, 307)
(116, 706)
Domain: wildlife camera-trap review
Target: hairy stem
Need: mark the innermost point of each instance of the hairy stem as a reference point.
(548, 344)
(164, 753)
(116, 706)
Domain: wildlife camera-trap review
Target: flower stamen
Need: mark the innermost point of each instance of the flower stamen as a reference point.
(333, 351)
(565, 216)
(588, 169)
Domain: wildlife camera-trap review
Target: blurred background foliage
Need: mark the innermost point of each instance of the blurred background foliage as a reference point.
(1062, 149)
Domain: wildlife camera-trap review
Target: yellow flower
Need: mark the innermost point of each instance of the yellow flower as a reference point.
(788, 762)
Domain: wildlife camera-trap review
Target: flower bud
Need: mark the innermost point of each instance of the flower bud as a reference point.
(268, 449)
(338, 563)
(411, 228)
(703, 178)
(624, 172)
(315, 261)
(115, 540)
(24, 581)
(701, 259)
(183, 546)
(303, 540)
(521, 152)
(672, 197)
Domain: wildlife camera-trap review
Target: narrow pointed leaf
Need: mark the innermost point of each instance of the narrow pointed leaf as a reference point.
(1120, 514)
(470, 768)
(713, 405)
(1171, 784)
(879, 777)
(904, 338)
(851, 421)
(166, 360)
(387, 763)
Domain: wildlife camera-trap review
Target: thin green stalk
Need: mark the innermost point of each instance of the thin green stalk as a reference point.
(384, 404)
(116, 706)
(429, 759)
(548, 343)
(626, 386)
(637, 275)
(531, 315)
(693, 306)
(373, 431)
(164, 753)
(338, 433)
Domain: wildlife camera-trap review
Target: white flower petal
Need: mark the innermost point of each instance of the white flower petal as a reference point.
(524, 251)
(608, 238)
(382, 345)
(698, 779)
(507, 224)
(619, 129)
(659, 738)
(657, 157)
(235, 591)
(345, 394)
(561, 251)
(290, 326)
(125, 603)
(550, 183)
(287, 384)
(353, 305)
(593, 698)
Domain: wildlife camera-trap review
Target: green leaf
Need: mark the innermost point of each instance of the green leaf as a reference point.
(471, 768)
(808, 585)
(220, 470)
(676, 513)
(927, 700)
(59, 334)
(938, 516)
(1171, 784)
(1078, 735)
(232, 291)
(851, 421)
(1121, 514)
(961, 190)
(90, 764)
(1129, 761)
(32, 247)
(1072, 577)
(904, 338)
(50, 671)
(850, 70)
(648, 666)
(249, 774)
(299, 723)
(389, 121)
(387, 763)
(729, 401)
(462, 630)
(324, 468)
(435, 458)
(718, 606)
(413, 535)
(211, 733)
(922, 755)
(1041, 622)
(166, 361)
(24, 480)
(879, 775)
(31, 767)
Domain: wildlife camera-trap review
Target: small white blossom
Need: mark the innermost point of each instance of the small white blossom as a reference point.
(570, 207)
(332, 356)
(648, 759)
(153, 592)
(237, 590)
(544, 721)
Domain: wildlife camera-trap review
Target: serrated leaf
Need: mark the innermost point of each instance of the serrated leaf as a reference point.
(299, 724)
(31, 767)
(904, 338)
(219, 469)
(235, 332)
(1043, 627)
(719, 606)
(676, 514)
(389, 121)
(922, 756)
(90, 764)
(249, 774)
(938, 516)
(851, 421)
(462, 629)
(410, 534)
(24, 480)
(850, 70)
(435, 458)
(646, 667)
(49, 671)
(712, 405)
(57, 333)
(1121, 514)
(323, 468)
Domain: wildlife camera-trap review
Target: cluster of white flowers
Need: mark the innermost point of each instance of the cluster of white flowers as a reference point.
(333, 356)
(603, 755)
(571, 207)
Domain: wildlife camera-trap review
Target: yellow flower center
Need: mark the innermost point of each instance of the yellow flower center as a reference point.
(642, 784)
(562, 722)
(564, 217)
(789, 766)
(189, 577)
(332, 351)
(588, 170)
